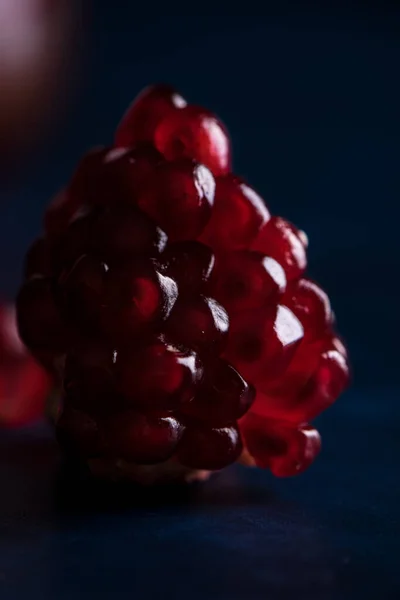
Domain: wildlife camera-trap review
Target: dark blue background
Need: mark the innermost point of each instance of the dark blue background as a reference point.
(312, 99)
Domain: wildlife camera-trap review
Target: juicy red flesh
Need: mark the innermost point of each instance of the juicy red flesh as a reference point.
(175, 308)
(205, 447)
(238, 216)
(193, 132)
(179, 197)
(282, 241)
(147, 110)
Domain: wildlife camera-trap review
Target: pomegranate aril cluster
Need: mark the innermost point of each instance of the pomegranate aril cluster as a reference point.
(174, 308)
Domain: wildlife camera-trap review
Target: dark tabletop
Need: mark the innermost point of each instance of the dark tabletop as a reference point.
(312, 100)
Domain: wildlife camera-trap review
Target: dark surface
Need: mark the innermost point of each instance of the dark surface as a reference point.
(312, 101)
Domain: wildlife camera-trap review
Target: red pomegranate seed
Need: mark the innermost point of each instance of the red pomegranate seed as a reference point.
(284, 449)
(83, 188)
(193, 132)
(78, 434)
(315, 378)
(81, 291)
(223, 398)
(205, 447)
(282, 241)
(238, 215)
(190, 264)
(59, 213)
(179, 198)
(145, 113)
(261, 344)
(137, 297)
(76, 240)
(199, 323)
(38, 259)
(143, 439)
(158, 376)
(118, 176)
(126, 232)
(39, 320)
(89, 378)
(246, 280)
(311, 306)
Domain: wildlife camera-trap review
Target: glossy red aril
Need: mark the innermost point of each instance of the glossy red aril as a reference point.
(81, 291)
(284, 449)
(206, 447)
(143, 439)
(247, 280)
(223, 398)
(39, 321)
(317, 375)
(145, 113)
(89, 377)
(200, 323)
(190, 264)
(261, 344)
(311, 306)
(179, 197)
(137, 299)
(282, 241)
(126, 232)
(193, 132)
(239, 214)
(59, 213)
(158, 376)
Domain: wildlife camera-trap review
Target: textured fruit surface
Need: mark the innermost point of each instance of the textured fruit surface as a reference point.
(175, 309)
(24, 385)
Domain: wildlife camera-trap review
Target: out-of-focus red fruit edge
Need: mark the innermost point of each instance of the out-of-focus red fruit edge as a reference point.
(24, 385)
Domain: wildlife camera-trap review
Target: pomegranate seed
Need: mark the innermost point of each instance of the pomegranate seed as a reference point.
(261, 344)
(38, 260)
(283, 449)
(158, 376)
(246, 280)
(137, 298)
(199, 323)
(179, 197)
(59, 213)
(76, 240)
(88, 378)
(81, 290)
(205, 447)
(78, 434)
(126, 232)
(143, 439)
(83, 188)
(316, 377)
(193, 132)
(311, 306)
(119, 175)
(238, 215)
(223, 398)
(282, 241)
(39, 321)
(190, 264)
(145, 113)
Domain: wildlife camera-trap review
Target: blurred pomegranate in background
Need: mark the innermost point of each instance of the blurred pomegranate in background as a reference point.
(35, 62)
(24, 385)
